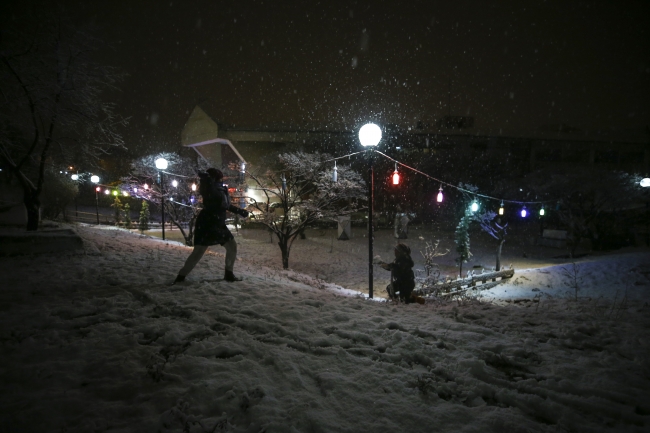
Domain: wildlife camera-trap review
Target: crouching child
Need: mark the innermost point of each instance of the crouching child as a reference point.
(401, 276)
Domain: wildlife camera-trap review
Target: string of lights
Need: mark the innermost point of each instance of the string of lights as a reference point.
(344, 156)
(183, 204)
(179, 175)
(439, 197)
(442, 182)
(396, 179)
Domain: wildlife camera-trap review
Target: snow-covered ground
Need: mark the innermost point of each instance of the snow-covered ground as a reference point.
(100, 341)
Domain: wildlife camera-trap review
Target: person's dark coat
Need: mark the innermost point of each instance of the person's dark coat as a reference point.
(210, 228)
(402, 276)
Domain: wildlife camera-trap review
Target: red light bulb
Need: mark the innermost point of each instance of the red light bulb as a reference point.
(395, 178)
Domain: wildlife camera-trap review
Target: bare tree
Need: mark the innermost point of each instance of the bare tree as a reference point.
(52, 112)
(300, 190)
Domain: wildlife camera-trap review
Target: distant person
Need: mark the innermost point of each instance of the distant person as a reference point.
(402, 279)
(210, 228)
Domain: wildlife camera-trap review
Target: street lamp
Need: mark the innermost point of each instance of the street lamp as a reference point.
(75, 177)
(161, 164)
(95, 179)
(369, 136)
(645, 183)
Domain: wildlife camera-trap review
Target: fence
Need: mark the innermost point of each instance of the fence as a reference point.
(485, 281)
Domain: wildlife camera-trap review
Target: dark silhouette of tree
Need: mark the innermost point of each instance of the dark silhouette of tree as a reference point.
(593, 203)
(492, 225)
(52, 94)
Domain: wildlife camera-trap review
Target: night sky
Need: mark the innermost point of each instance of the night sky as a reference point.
(518, 67)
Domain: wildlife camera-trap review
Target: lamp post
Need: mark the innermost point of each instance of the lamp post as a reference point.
(645, 183)
(369, 136)
(161, 164)
(75, 177)
(95, 179)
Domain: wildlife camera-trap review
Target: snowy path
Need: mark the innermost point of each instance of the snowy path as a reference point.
(101, 342)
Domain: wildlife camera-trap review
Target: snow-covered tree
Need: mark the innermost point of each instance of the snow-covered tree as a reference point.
(299, 190)
(52, 112)
(118, 208)
(127, 216)
(143, 220)
(461, 238)
(181, 202)
(493, 226)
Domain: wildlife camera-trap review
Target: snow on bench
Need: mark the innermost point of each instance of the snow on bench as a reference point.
(475, 282)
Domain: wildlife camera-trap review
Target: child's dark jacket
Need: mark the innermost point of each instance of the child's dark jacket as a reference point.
(401, 275)
(210, 227)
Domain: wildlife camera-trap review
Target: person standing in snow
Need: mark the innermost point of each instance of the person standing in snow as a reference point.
(401, 275)
(210, 228)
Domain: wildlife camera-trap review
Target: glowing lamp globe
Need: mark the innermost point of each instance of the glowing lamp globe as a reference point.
(541, 212)
(99, 188)
(75, 177)
(524, 212)
(145, 186)
(107, 192)
(94, 179)
(174, 183)
(193, 187)
(161, 164)
(439, 197)
(395, 178)
(369, 135)
(125, 193)
(645, 182)
(474, 207)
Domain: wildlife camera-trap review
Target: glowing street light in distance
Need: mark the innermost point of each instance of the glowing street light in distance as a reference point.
(369, 135)
(161, 164)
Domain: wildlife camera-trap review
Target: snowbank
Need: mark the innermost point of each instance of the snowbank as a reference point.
(101, 342)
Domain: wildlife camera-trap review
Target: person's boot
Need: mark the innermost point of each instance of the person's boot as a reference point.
(229, 276)
(179, 279)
